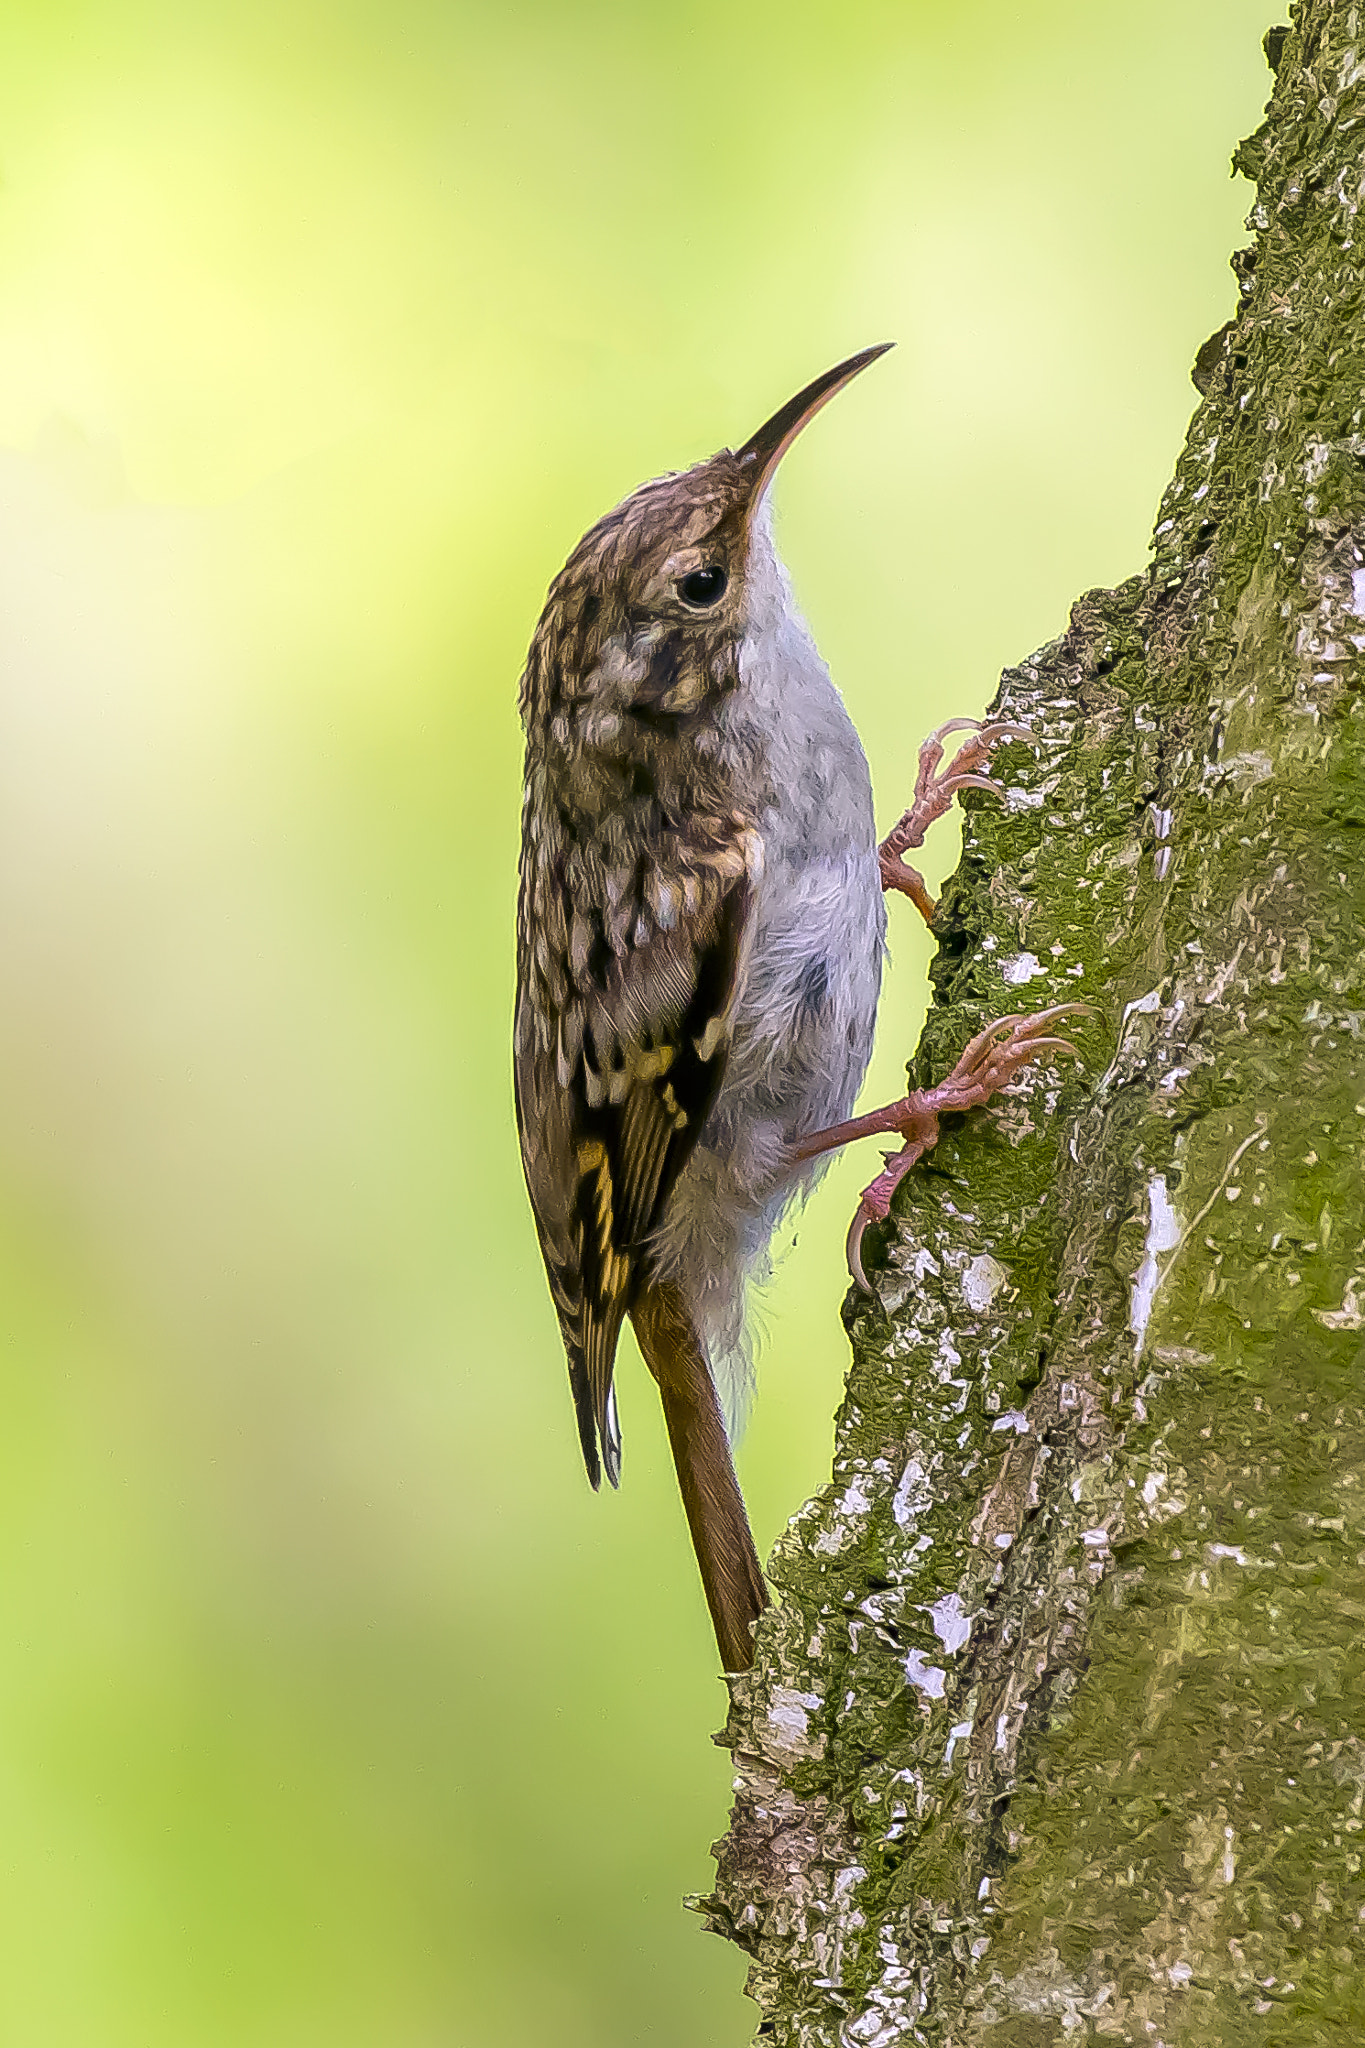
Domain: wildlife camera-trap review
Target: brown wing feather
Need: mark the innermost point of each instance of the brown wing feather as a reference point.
(610, 1110)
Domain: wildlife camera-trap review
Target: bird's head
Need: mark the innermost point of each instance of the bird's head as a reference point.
(646, 614)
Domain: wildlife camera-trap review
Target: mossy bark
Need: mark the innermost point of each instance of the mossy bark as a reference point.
(1058, 1731)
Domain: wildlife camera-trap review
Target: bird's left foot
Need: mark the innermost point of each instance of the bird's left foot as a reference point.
(987, 1064)
(934, 793)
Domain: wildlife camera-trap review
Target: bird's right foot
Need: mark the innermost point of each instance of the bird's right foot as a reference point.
(987, 1064)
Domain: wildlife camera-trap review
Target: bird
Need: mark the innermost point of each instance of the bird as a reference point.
(700, 937)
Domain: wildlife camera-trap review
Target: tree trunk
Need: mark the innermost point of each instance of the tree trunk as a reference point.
(1058, 1730)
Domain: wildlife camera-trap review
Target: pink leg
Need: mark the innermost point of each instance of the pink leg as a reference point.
(987, 1063)
(933, 795)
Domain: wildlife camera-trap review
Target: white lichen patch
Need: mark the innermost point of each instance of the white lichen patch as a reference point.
(1020, 968)
(952, 1623)
(788, 1723)
(849, 1510)
(1233, 1552)
(1246, 770)
(1161, 1505)
(1013, 1418)
(959, 1732)
(1351, 1314)
(1046, 1990)
(982, 1281)
(1163, 1235)
(913, 1495)
(928, 1679)
(948, 1357)
(892, 2005)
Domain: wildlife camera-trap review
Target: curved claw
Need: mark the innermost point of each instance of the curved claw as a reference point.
(955, 725)
(853, 1249)
(1074, 1009)
(1004, 730)
(953, 783)
(996, 728)
(1033, 1019)
(1029, 1046)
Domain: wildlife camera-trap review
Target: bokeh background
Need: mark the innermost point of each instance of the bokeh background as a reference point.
(333, 1708)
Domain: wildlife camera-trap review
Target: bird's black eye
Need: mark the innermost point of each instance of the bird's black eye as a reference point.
(704, 587)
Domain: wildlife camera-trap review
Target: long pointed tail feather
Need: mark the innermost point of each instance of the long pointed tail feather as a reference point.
(730, 1573)
(594, 1398)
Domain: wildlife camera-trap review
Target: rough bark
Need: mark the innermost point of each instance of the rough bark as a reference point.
(1059, 1728)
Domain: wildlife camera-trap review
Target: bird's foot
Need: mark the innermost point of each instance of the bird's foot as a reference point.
(987, 1064)
(934, 793)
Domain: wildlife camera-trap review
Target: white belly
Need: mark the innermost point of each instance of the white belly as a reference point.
(807, 1005)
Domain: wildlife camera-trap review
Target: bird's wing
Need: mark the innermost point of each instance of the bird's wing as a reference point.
(612, 1096)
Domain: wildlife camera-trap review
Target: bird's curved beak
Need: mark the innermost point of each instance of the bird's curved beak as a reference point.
(765, 449)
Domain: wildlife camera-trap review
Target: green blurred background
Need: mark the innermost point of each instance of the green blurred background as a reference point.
(334, 1709)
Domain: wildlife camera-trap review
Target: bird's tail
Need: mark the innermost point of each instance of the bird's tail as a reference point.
(730, 1573)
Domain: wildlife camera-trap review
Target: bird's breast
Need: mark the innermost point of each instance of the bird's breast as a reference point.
(807, 1003)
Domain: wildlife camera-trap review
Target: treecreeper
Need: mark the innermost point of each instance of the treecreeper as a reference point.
(700, 932)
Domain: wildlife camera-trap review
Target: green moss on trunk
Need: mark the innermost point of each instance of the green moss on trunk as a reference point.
(1059, 1729)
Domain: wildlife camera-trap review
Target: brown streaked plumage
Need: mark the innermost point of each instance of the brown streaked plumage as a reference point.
(649, 779)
